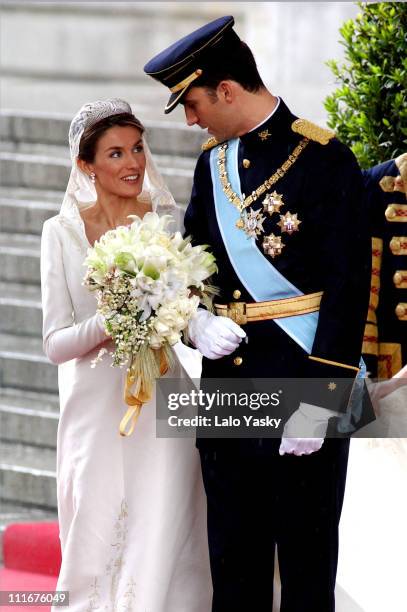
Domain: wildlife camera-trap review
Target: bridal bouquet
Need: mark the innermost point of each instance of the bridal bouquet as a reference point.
(148, 283)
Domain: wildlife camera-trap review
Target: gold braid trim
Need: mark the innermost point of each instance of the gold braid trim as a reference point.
(390, 361)
(209, 144)
(398, 245)
(312, 131)
(396, 213)
(278, 174)
(377, 251)
(370, 340)
(334, 363)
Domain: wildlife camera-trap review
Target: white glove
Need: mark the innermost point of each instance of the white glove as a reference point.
(300, 446)
(310, 421)
(214, 336)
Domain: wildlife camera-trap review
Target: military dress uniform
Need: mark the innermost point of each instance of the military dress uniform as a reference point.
(305, 212)
(296, 499)
(385, 338)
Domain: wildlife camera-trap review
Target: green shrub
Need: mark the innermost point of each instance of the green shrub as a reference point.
(369, 109)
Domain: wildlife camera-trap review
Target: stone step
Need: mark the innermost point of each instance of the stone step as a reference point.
(20, 128)
(162, 159)
(25, 215)
(11, 512)
(47, 402)
(20, 258)
(28, 424)
(46, 172)
(24, 366)
(27, 474)
(36, 195)
(20, 309)
(38, 171)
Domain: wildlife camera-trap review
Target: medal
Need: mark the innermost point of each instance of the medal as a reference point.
(272, 245)
(251, 222)
(273, 202)
(289, 223)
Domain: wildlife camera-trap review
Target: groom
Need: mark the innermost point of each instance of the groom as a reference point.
(297, 191)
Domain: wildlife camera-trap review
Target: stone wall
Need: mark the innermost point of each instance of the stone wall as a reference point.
(56, 55)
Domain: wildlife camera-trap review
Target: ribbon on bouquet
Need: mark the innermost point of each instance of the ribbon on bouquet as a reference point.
(138, 389)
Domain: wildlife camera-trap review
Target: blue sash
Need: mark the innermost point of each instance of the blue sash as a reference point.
(260, 278)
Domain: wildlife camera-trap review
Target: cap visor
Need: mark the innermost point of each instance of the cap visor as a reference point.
(175, 99)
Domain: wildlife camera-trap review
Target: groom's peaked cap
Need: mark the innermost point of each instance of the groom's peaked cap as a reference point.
(179, 65)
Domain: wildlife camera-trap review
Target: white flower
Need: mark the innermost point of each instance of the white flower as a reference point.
(142, 275)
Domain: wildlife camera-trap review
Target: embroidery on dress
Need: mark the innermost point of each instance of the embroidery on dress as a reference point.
(129, 596)
(113, 571)
(94, 597)
(115, 565)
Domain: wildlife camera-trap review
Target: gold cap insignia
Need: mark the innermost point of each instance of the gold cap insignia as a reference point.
(264, 135)
(312, 131)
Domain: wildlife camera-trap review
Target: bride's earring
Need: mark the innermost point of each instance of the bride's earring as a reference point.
(92, 177)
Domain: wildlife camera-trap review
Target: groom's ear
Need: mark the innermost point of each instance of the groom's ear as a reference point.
(226, 91)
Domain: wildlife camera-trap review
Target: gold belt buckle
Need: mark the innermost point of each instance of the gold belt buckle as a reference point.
(237, 312)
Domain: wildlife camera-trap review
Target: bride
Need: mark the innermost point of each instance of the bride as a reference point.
(131, 509)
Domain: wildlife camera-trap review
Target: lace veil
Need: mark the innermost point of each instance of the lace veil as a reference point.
(81, 193)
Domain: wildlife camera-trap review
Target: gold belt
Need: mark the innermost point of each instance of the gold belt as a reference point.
(243, 313)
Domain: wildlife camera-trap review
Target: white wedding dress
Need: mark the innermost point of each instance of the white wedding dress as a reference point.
(132, 511)
(373, 533)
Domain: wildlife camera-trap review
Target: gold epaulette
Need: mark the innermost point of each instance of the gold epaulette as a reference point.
(209, 144)
(312, 131)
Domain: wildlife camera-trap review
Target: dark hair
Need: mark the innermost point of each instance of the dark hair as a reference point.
(92, 134)
(234, 63)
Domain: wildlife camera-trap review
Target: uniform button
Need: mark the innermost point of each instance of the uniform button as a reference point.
(395, 245)
(401, 310)
(397, 278)
(238, 361)
(390, 212)
(246, 163)
(236, 294)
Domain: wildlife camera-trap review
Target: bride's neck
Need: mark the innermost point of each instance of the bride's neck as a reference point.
(114, 211)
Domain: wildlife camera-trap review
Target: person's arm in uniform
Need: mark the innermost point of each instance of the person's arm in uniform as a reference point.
(381, 181)
(342, 253)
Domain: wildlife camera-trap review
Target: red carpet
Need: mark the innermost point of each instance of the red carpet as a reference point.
(32, 558)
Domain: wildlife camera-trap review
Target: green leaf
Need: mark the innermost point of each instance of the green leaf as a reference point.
(368, 109)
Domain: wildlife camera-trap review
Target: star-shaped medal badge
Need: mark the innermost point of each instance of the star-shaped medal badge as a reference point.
(332, 386)
(251, 223)
(264, 135)
(273, 202)
(289, 223)
(272, 245)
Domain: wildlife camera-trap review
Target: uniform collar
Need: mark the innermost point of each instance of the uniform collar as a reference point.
(268, 116)
(278, 124)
